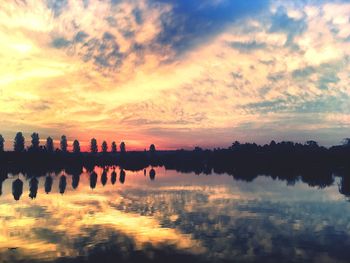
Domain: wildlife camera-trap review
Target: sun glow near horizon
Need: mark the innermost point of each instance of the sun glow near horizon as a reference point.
(175, 74)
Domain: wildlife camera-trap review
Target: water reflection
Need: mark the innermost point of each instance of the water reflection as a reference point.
(2, 179)
(33, 187)
(93, 180)
(63, 184)
(122, 176)
(171, 217)
(17, 189)
(75, 180)
(113, 177)
(104, 178)
(48, 184)
(152, 174)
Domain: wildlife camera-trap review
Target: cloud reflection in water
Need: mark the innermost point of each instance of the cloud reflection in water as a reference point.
(175, 216)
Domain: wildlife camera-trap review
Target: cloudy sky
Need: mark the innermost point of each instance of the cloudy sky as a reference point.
(175, 73)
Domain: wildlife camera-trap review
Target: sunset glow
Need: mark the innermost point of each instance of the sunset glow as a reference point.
(175, 73)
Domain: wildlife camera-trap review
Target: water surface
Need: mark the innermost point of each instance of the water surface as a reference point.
(170, 216)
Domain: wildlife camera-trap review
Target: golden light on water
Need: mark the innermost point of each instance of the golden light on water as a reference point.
(176, 213)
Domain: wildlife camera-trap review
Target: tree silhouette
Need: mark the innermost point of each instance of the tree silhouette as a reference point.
(312, 143)
(19, 142)
(122, 147)
(114, 147)
(35, 141)
(93, 145)
(2, 141)
(76, 146)
(104, 147)
(63, 143)
(346, 141)
(152, 148)
(49, 144)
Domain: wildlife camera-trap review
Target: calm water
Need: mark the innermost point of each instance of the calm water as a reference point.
(175, 217)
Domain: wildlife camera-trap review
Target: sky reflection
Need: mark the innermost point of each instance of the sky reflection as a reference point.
(176, 215)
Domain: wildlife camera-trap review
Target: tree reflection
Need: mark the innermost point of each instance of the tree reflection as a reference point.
(48, 184)
(113, 177)
(2, 179)
(320, 177)
(104, 177)
(122, 176)
(93, 180)
(17, 189)
(33, 187)
(152, 174)
(75, 180)
(62, 184)
(344, 186)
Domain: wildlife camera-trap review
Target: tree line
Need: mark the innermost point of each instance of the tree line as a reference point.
(19, 145)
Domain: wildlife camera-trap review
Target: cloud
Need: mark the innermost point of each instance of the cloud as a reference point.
(164, 212)
(247, 46)
(189, 24)
(282, 22)
(57, 6)
(127, 69)
(60, 42)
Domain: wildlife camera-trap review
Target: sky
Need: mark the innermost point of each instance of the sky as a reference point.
(175, 73)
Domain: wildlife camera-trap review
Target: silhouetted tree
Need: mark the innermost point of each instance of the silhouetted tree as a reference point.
(235, 145)
(48, 184)
(93, 145)
(122, 147)
(104, 147)
(62, 184)
(2, 141)
(17, 189)
(35, 141)
(198, 149)
(64, 143)
(33, 187)
(311, 143)
(114, 147)
(19, 142)
(152, 148)
(49, 145)
(346, 141)
(76, 146)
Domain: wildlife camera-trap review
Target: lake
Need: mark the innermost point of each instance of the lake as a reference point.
(167, 216)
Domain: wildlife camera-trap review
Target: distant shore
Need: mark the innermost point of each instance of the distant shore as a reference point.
(287, 156)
